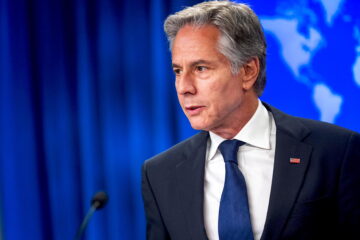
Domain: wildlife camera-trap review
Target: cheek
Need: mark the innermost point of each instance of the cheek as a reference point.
(215, 87)
(216, 105)
(181, 101)
(223, 84)
(176, 89)
(224, 101)
(179, 98)
(213, 96)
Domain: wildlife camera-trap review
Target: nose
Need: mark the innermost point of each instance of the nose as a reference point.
(185, 84)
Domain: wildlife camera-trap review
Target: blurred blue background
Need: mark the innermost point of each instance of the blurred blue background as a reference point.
(87, 94)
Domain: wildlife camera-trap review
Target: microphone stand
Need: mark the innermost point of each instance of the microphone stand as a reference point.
(98, 201)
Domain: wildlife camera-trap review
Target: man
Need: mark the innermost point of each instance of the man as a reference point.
(294, 179)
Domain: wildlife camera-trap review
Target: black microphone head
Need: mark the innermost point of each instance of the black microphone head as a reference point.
(99, 200)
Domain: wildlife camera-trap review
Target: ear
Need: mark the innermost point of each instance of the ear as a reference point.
(250, 72)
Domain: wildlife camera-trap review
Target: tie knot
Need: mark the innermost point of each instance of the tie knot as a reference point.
(229, 149)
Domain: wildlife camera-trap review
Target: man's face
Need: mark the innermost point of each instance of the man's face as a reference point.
(209, 94)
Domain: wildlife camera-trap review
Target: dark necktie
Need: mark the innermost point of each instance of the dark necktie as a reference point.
(234, 216)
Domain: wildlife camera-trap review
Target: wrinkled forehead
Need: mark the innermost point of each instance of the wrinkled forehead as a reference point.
(193, 44)
(194, 29)
(196, 36)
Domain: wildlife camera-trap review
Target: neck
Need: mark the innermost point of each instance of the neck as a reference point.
(241, 117)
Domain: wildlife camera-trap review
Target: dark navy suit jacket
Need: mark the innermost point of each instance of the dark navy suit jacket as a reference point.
(318, 198)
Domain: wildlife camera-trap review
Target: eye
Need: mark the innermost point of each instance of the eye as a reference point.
(177, 71)
(201, 68)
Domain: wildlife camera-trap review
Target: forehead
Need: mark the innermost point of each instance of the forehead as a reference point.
(195, 41)
(206, 32)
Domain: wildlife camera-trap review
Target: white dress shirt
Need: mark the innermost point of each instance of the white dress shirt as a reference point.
(255, 161)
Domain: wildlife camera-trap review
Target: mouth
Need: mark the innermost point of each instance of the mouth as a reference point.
(194, 110)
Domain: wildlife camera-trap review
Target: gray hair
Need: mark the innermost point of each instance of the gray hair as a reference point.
(242, 37)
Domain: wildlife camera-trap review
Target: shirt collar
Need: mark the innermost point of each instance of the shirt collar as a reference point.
(256, 132)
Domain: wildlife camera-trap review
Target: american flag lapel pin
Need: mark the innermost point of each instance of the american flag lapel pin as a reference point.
(295, 160)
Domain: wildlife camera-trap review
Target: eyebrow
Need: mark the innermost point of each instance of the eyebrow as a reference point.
(192, 64)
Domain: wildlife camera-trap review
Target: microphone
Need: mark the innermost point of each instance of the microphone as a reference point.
(98, 201)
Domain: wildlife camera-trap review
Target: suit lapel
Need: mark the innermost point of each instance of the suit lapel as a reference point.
(286, 183)
(190, 182)
(287, 177)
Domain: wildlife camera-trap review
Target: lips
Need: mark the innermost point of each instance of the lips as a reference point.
(194, 109)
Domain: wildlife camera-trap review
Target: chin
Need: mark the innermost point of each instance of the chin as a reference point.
(199, 126)
(196, 127)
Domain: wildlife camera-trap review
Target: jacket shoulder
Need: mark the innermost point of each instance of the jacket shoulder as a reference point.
(308, 127)
(173, 155)
(328, 133)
